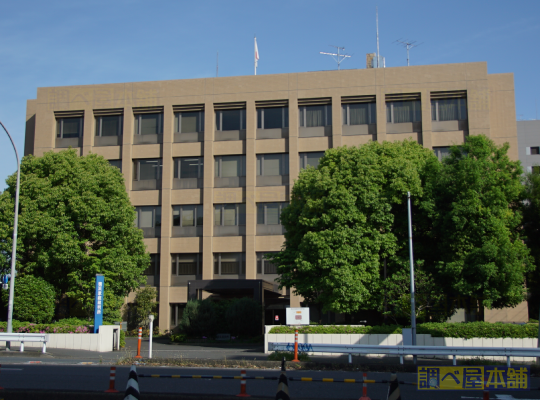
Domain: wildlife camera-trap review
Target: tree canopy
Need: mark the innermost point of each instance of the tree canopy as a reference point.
(76, 221)
(346, 241)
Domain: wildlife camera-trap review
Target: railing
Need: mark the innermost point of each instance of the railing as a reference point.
(409, 350)
(25, 337)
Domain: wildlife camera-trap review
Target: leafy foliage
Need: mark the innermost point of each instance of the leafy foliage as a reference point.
(339, 329)
(531, 225)
(145, 304)
(345, 218)
(33, 300)
(477, 244)
(278, 356)
(76, 221)
(71, 325)
(244, 317)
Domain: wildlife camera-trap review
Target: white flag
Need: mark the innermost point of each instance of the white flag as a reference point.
(256, 52)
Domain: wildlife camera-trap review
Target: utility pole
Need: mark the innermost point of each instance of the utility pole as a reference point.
(411, 257)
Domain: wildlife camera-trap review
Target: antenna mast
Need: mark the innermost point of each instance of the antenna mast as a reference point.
(408, 45)
(377, 23)
(337, 56)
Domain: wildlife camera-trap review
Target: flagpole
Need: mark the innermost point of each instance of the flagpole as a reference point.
(255, 54)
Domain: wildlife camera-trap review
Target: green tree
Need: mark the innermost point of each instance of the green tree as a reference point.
(531, 224)
(33, 300)
(476, 236)
(347, 221)
(145, 304)
(76, 221)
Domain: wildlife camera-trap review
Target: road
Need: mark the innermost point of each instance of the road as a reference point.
(96, 378)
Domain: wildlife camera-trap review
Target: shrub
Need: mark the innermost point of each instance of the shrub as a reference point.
(178, 338)
(145, 304)
(33, 300)
(278, 356)
(189, 316)
(337, 329)
(244, 317)
(63, 326)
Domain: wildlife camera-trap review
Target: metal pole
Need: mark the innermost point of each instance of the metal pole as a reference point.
(413, 308)
(151, 317)
(14, 248)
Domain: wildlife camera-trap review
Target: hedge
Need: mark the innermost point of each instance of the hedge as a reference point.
(435, 329)
(71, 325)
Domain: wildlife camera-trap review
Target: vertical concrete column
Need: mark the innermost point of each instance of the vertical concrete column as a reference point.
(337, 123)
(127, 146)
(166, 218)
(425, 138)
(208, 191)
(294, 165)
(251, 182)
(381, 114)
(89, 128)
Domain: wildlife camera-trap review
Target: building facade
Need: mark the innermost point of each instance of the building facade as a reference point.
(529, 144)
(209, 163)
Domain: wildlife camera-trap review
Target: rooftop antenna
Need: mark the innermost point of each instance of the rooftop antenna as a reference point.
(408, 45)
(337, 56)
(377, 23)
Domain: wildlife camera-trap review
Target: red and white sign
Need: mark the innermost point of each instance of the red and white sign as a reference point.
(276, 317)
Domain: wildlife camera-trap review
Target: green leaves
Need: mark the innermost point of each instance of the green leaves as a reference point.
(76, 221)
(33, 300)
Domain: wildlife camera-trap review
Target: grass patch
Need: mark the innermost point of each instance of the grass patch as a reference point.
(289, 355)
(479, 361)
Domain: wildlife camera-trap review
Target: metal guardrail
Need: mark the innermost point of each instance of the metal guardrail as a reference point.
(409, 350)
(25, 337)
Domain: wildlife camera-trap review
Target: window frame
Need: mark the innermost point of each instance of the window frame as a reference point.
(392, 119)
(346, 109)
(302, 113)
(237, 210)
(219, 159)
(219, 121)
(155, 214)
(176, 261)
(137, 169)
(137, 123)
(177, 165)
(241, 269)
(178, 121)
(282, 206)
(303, 158)
(436, 103)
(261, 267)
(284, 117)
(60, 127)
(283, 164)
(99, 125)
(195, 218)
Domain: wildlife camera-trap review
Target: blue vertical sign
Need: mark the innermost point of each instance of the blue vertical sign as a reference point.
(98, 305)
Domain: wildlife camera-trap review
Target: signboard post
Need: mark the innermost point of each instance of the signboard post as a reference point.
(297, 316)
(98, 302)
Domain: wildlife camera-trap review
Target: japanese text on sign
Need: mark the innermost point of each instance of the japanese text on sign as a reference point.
(473, 378)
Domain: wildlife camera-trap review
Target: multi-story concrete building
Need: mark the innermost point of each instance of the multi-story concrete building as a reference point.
(209, 163)
(529, 144)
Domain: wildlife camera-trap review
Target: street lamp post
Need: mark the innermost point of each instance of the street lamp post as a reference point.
(14, 248)
(413, 308)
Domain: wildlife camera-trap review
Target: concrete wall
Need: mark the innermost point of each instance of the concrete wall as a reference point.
(528, 136)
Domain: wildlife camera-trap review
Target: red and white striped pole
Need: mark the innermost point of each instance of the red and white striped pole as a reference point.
(296, 346)
(139, 344)
(112, 378)
(364, 388)
(243, 385)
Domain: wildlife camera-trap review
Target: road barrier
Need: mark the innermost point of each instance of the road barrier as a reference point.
(139, 344)
(132, 387)
(408, 350)
(25, 337)
(243, 392)
(283, 384)
(364, 389)
(393, 389)
(295, 359)
(112, 379)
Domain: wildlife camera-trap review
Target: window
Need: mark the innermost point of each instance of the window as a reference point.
(403, 111)
(448, 109)
(441, 152)
(67, 128)
(230, 120)
(153, 268)
(186, 264)
(148, 216)
(270, 213)
(189, 122)
(230, 214)
(110, 125)
(148, 124)
(273, 118)
(311, 159)
(535, 169)
(272, 164)
(311, 116)
(188, 215)
(229, 166)
(359, 114)
(149, 169)
(264, 266)
(116, 163)
(188, 167)
(229, 264)
(535, 150)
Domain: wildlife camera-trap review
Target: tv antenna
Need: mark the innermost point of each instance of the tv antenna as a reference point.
(408, 45)
(337, 56)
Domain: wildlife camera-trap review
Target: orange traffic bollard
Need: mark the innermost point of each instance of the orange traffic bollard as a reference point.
(243, 385)
(112, 378)
(296, 346)
(364, 389)
(139, 344)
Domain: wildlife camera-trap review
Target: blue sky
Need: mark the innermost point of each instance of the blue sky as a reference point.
(57, 43)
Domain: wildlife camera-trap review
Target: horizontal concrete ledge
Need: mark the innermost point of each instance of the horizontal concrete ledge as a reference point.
(27, 353)
(28, 394)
